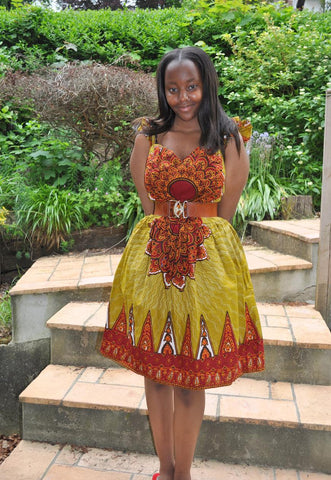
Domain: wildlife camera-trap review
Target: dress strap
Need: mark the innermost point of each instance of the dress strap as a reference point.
(152, 139)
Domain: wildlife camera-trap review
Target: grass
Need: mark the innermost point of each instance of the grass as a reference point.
(5, 318)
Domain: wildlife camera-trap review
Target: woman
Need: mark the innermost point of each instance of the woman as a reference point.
(182, 310)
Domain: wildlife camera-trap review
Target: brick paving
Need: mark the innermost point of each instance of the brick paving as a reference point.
(42, 461)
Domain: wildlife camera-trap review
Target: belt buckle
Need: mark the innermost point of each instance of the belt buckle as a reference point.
(179, 208)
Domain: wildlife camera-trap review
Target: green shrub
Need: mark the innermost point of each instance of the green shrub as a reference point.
(262, 196)
(48, 214)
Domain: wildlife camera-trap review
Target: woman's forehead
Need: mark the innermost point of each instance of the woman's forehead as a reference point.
(183, 69)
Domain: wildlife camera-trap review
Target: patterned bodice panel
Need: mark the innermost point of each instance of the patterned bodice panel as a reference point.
(199, 177)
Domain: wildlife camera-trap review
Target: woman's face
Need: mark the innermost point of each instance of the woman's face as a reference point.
(183, 89)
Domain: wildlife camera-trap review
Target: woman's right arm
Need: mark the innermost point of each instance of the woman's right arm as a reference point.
(137, 166)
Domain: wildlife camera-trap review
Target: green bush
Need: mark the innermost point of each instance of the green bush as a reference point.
(37, 152)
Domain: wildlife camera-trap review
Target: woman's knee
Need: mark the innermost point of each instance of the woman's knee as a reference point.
(188, 397)
(157, 387)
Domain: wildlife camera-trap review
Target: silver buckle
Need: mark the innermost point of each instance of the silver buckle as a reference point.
(179, 208)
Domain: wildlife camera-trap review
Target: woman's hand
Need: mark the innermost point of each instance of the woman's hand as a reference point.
(137, 166)
(236, 174)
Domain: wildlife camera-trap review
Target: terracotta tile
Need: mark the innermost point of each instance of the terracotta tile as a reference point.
(273, 309)
(141, 477)
(263, 320)
(104, 397)
(61, 472)
(74, 314)
(143, 410)
(287, 262)
(281, 391)
(91, 375)
(96, 271)
(313, 476)
(41, 270)
(96, 281)
(51, 385)
(64, 276)
(212, 470)
(121, 376)
(123, 462)
(68, 455)
(77, 258)
(210, 412)
(277, 321)
(277, 336)
(71, 263)
(57, 286)
(244, 387)
(98, 321)
(51, 260)
(94, 259)
(256, 264)
(286, 475)
(115, 260)
(312, 332)
(257, 410)
(302, 311)
(26, 288)
(28, 461)
(314, 403)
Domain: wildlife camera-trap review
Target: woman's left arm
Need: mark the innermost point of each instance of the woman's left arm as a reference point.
(236, 174)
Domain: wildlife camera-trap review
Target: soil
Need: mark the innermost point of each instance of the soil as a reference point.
(7, 445)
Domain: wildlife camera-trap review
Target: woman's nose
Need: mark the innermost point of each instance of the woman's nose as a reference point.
(183, 95)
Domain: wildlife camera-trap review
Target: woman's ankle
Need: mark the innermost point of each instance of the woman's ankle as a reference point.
(167, 472)
(182, 475)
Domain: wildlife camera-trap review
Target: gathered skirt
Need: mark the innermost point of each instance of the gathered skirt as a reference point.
(205, 335)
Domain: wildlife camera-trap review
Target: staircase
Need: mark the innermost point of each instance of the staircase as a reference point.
(279, 419)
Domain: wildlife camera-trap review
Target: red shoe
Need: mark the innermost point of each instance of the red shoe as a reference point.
(156, 476)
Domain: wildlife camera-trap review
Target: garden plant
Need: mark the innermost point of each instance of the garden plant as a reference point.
(71, 82)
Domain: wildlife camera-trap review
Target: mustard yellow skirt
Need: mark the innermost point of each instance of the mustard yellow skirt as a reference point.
(203, 336)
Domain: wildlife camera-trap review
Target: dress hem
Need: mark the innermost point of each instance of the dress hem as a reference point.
(181, 371)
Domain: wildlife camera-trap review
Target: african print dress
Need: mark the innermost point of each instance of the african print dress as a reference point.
(182, 309)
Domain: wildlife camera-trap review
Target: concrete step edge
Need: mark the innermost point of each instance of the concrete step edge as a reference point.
(54, 277)
(282, 324)
(303, 230)
(249, 401)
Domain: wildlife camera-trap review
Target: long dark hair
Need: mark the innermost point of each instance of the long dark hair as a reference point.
(216, 126)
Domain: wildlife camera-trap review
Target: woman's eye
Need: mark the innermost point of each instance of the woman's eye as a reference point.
(192, 87)
(172, 90)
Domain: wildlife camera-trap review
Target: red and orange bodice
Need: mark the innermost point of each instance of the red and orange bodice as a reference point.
(177, 243)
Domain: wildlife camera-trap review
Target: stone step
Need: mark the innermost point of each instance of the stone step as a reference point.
(297, 340)
(254, 422)
(54, 281)
(277, 277)
(36, 460)
(293, 237)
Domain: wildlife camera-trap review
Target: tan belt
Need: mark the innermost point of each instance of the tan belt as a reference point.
(177, 209)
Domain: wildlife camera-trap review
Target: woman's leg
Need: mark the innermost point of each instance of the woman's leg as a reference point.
(160, 404)
(189, 406)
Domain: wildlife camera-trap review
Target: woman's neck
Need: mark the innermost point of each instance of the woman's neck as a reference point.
(189, 127)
